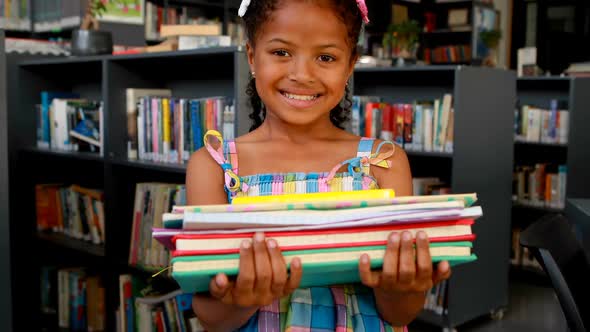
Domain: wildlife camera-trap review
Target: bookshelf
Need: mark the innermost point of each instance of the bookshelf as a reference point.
(188, 74)
(5, 316)
(481, 96)
(447, 41)
(572, 93)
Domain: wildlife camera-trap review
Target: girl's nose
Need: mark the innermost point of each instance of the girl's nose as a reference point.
(301, 71)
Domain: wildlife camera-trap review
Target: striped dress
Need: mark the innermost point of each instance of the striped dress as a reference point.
(340, 308)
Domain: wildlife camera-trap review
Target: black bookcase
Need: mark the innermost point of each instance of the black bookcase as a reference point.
(5, 306)
(195, 73)
(481, 162)
(572, 94)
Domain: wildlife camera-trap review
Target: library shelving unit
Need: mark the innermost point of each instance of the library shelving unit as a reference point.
(189, 74)
(481, 162)
(572, 93)
(5, 316)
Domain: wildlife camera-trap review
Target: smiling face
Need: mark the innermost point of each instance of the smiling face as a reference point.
(302, 59)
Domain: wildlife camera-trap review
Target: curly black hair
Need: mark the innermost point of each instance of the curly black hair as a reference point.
(259, 11)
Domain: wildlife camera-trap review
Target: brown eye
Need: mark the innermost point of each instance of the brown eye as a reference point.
(326, 58)
(281, 53)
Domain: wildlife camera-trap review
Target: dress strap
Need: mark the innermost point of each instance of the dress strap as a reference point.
(361, 164)
(214, 144)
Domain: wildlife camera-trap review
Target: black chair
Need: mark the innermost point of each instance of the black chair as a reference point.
(562, 257)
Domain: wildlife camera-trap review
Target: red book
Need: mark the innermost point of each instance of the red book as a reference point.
(208, 244)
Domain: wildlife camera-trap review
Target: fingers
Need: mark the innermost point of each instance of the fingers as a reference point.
(262, 267)
(246, 272)
(368, 277)
(295, 272)
(443, 272)
(278, 267)
(389, 276)
(407, 263)
(220, 288)
(423, 260)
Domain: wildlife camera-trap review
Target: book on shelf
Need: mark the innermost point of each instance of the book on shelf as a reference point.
(539, 125)
(67, 124)
(187, 21)
(540, 185)
(133, 96)
(14, 15)
(73, 210)
(144, 306)
(43, 115)
(419, 126)
(329, 241)
(522, 257)
(171, 129)
(76, 296)
(151, 201)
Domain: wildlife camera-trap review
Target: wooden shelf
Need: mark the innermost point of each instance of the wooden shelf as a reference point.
(65, 154)
(72, 243)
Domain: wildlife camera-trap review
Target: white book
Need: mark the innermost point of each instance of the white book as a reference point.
(304, 217)
(428, 121)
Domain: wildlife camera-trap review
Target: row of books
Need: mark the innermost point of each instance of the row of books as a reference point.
(436, 299)
(430, 186)
(166, 129)
(67, 123)
(420, 126)
(155, 16)
(145, 308)
(520, 256)
(72, 210)
(152, 200)
(540, 185)
(533, 124)
(14, 15)
(76, 296)
(448, 54)
(54, 15)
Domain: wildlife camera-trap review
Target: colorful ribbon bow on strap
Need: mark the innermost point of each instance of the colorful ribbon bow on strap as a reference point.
(214, 144)
(355, 165)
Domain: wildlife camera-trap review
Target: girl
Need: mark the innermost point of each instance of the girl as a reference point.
(301, 54)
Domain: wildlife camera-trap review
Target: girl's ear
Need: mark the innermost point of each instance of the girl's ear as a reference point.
(250, 54)
(353, 61)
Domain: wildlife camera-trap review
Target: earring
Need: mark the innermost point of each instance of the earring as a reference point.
(253, 75)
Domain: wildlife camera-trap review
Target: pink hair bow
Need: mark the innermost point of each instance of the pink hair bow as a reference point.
(363, 9)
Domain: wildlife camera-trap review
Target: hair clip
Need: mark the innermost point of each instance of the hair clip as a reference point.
(243, 7)
(363, 9)
(360, 3)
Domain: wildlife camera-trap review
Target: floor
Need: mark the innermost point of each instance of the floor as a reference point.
(532, 307)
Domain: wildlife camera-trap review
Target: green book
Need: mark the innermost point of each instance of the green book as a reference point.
(321, 267)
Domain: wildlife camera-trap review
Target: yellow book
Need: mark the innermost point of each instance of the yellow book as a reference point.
(375, 194)
(166, 127)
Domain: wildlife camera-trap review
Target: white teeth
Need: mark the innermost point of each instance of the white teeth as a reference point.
(300, 97)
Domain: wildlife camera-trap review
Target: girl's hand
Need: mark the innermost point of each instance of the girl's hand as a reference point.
(262, 276)
(404, 273)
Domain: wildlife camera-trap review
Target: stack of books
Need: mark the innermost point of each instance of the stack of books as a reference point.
(328, 232)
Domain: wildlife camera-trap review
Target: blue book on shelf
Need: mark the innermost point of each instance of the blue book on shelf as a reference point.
(46, 98)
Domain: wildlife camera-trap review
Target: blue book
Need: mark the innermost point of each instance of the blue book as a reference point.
(46, 99)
